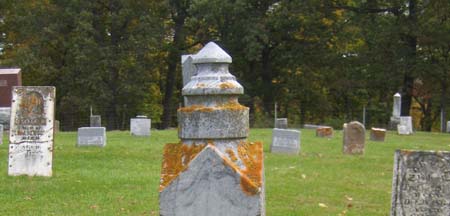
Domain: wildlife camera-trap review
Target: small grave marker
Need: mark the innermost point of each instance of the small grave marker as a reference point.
(354, 138)
(92, 136)
(285, 141)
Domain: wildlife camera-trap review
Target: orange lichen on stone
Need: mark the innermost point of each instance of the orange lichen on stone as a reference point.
(231, 154)
(176, 159)
(200, 108)
(226, 85)
(200, 85)
(251, 155)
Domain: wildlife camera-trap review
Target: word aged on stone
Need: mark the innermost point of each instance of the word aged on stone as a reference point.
(421, 183)
(31, 132)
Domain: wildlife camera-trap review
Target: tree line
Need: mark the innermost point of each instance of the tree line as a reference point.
(321, 61)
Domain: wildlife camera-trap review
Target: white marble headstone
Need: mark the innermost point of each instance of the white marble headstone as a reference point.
(396, 109)
(405, 126)
(140, 126)
(31, 131)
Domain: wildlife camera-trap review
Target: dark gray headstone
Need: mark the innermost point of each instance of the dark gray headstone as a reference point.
(421, 183)
(96, 121)
(285, 141)
(92, 136)
(281, 123)
(5, 116)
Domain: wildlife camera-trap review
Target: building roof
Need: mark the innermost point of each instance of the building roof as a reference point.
(9, 71)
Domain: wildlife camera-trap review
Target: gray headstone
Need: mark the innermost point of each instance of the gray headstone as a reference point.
(377, 134)
(187, 68)
(31, 132)
(354, 138)
(448, 126)
(92, 136)
(405, 127)
(140, 126)
(285, 141)
(1, 134)
(421, 183)
(95, 121)
(213, 170)
(5, 116)
(281, 123)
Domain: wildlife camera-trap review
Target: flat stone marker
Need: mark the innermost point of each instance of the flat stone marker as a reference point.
(1, 134)
(312, 126)
(324, 132)
(95, 121)
(31, 132)
(377, 134)
(354, 138)
(140, 126)
(405, 126)
(285, 141)
(421, 183)
(281, 123)
(92, 136)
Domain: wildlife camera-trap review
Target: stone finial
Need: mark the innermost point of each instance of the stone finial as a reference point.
(397, 95)
(211, 53)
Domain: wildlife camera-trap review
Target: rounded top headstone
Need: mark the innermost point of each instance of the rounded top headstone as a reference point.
(211, 53)
(397, 95)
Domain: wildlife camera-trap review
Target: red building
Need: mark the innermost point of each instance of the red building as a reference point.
(8, 78)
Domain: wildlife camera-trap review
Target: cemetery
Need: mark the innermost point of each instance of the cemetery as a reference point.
(228, 108)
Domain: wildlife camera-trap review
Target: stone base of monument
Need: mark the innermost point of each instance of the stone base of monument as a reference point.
(377, 134)
(5, 116)
(212, 179)
(140, 126)
(394, 121)
(92, 136)
(285, 141)
(324, 132)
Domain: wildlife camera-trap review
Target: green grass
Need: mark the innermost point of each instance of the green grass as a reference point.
(123, 177)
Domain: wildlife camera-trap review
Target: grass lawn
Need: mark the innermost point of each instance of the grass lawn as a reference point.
(123, 177)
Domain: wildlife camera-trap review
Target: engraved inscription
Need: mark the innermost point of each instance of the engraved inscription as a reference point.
(423, 184)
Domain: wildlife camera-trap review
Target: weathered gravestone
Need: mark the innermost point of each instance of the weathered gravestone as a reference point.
(5, 116)
(448, 126)
(377, 134)
(140, 126)
(281, 123)
(405, 126)
(31, 132)
(1, 134)
(354, 138)
(324, 132)
(187, 68)
(421, 183)
(285, 141)
(214, 170)
(95, 121)
(91, 136)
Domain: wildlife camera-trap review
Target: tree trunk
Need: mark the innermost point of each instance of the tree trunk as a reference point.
(411, 41)
(172, 61)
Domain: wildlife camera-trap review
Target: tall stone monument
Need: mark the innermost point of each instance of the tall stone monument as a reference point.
(31, 132)
(213, 170)
(396, 111)
(421, 183)
(354, 138)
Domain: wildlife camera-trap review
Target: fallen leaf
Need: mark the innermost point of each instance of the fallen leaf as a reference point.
(349, 205)
(323, 205)
(348, 198)
(291, 167)
(93, 206)
(303, 176)
(27, 198)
